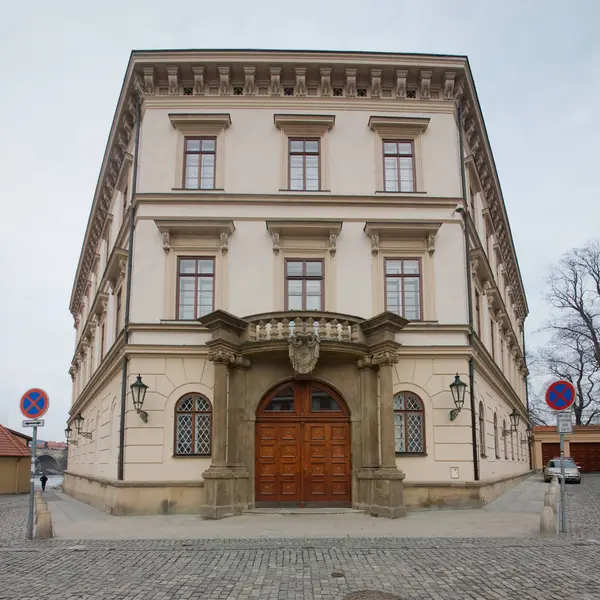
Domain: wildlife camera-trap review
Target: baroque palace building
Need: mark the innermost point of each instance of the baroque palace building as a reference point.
(297, 253)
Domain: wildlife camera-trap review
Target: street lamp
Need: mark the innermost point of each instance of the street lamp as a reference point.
(138, 391)
(514, 419)
(79, 426)
(458, 389)
(68, 433)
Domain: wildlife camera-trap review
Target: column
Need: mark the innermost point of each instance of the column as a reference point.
(236, 428)
(220, 359)
(370, 417)
(386, 415)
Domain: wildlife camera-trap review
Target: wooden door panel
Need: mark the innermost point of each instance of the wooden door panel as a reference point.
(586, 454)
(278, 454)
(549, 451)
(326, 462)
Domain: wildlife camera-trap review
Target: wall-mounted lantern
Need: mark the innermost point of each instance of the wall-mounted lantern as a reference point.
(458, 389)
(138, 391)
(79, 426)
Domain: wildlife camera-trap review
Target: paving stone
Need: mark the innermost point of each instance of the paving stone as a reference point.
(300, 568)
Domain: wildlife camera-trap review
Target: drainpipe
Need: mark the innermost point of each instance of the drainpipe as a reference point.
(121, 461)
(530, 441)
(469, 296)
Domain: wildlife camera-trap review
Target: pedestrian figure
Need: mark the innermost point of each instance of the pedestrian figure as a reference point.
(44, 480)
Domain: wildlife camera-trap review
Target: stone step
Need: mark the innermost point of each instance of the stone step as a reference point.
(303, 511)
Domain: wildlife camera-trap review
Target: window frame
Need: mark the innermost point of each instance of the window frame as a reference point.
(397, 141)
(118, 307)
(504, 436)
(304, 154)
(385, 276)
(200, 153)
(496, 440)
(478, 312)
(192, 412)
(303, 278)
(196, 275)
(492, 339)
(405, 412)
(481, 418)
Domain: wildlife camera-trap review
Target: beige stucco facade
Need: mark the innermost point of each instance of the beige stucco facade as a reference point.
(249, 225)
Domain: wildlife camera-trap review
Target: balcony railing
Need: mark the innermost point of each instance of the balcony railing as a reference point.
(327, 326)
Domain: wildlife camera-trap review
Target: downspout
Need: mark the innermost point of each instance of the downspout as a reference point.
(121, 461)
(469, 295)
(530, 441)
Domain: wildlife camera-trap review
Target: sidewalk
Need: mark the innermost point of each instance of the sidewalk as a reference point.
(516, 514)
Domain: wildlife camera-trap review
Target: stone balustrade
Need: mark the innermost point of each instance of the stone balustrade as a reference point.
(327, 326)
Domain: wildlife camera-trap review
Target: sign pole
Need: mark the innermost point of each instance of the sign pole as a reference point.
(563, 508)
(32, 485)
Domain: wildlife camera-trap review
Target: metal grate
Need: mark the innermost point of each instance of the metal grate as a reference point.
(399, 441)
(184, 434)
(415, 432)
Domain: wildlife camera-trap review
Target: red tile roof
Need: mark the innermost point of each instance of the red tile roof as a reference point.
(9, 446)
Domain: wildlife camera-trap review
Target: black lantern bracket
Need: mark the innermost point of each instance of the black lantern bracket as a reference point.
(138, 392)
(458, 389)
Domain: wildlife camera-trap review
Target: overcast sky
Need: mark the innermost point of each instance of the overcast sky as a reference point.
(536, 66)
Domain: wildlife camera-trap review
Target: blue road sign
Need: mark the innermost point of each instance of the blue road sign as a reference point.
(560, 395)
(34, 403)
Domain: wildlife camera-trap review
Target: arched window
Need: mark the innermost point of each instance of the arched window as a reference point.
(481, 430)
(409, 423)
(504, 437)
(496, 443)
(193, 425)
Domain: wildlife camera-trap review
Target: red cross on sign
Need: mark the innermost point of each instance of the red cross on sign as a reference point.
(34, 403)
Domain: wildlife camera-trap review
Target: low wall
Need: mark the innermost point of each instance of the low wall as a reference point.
(470, 494)
(135, 497)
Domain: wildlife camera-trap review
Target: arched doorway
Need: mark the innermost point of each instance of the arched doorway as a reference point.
(303, 447)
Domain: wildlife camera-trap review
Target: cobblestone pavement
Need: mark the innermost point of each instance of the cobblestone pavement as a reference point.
(301, 569)
(583, 508)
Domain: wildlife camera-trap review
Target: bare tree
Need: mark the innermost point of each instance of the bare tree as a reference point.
(573, 352)
(566, 357)
(575, 292)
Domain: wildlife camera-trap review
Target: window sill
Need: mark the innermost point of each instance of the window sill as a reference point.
(288, 191)
(417, 193)
(192, 455)
(196, 190)
(408, 454)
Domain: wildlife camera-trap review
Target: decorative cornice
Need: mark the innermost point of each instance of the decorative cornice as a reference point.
(304, 124)
(220, 229)
(402, 229)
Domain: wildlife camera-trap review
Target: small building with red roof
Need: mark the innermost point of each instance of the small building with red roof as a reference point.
(15, 462)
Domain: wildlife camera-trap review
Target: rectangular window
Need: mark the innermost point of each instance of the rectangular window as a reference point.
(472, 203)
(195, 287)
(118, 314)
(199, 165)
(477, 314)
(107, 248)
(502, 354)
(304, 165)
(102, 340)
(304, 284)
(125, 194)
(403, 287)
(398, 166)
(492, 339)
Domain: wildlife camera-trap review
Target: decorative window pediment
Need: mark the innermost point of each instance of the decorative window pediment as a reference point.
(309, 125)
(117, 266)
(398, 126)
(218, 228)
(310, 229)
(402, 229)
(200, 123)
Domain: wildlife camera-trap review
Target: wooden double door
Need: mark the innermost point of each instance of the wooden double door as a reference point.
(303, 447)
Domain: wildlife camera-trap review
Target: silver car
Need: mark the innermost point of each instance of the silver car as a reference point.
(552, 469)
